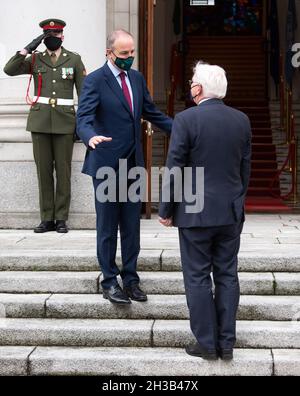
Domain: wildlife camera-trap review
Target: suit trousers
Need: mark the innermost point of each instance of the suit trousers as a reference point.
(205, 251)
(53, 151)
(110, 216)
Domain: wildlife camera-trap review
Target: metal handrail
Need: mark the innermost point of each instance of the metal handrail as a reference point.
(291, 163)
(282, 94)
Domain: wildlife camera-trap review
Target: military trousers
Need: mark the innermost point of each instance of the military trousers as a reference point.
(53, 152)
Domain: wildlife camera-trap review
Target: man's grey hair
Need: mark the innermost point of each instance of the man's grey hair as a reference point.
(113, 36)
(212, 78)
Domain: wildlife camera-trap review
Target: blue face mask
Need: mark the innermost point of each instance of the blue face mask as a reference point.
(124, 64)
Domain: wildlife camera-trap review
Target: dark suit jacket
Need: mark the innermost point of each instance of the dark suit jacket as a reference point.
(103, 110)
(217, 138)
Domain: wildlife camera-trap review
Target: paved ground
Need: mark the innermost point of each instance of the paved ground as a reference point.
(266, 234)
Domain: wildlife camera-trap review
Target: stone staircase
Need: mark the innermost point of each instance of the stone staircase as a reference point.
(54, 320)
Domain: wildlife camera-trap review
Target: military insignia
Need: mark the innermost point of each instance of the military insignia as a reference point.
(68, 73)
(52, 23)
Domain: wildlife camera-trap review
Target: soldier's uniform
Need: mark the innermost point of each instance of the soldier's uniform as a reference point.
(52, 121)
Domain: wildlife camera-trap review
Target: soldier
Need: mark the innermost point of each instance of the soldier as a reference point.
(51, 119)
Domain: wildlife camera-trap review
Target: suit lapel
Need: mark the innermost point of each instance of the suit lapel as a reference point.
(115, 87)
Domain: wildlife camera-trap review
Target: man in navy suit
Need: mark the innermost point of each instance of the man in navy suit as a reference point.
(113, 100)
(217, 139)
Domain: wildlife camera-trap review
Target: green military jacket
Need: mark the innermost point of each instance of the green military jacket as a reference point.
(57, 82)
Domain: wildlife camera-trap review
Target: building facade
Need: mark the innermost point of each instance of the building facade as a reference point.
(88, 24)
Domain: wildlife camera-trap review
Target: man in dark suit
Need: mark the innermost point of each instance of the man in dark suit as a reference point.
(216, 138)
(114, 98)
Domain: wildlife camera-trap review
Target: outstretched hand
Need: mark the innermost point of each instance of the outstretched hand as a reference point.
(98, 140)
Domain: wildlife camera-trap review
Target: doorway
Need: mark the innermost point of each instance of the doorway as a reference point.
(231, 34)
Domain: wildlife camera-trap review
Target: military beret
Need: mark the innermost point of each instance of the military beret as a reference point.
(53, 24)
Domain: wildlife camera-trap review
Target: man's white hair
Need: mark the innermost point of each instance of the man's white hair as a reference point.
(213, 80)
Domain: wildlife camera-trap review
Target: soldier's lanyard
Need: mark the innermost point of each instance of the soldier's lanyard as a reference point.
(29, 101)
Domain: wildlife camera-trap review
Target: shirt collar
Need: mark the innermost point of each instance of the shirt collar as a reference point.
(57, 52)
(204, 100)
(115, 71)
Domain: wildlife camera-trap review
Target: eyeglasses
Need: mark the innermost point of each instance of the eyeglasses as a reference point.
(191, 82)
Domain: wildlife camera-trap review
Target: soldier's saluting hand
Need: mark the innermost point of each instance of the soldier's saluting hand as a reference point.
(51, 120)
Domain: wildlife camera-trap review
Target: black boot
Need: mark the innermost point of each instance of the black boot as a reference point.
(45, 226)
(61, 227)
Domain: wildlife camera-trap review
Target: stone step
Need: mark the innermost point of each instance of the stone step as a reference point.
(274, 308)
(152, 283)
(250, 334)
(137, 333)
(286, 362)
(260, 258)
(59, 361)
(50, 282)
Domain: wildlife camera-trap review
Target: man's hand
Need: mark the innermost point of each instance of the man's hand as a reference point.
(98, 140)
(166, 222)
(34, 44)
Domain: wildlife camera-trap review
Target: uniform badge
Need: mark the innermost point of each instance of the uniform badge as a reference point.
(68, 73)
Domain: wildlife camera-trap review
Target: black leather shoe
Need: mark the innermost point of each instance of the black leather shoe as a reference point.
(226, 354)
(116, 296)
(197, 351)
(135, 293)
(61, 227)
(45, 226)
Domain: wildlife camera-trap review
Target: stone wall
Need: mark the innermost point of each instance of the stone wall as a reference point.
(86, 34)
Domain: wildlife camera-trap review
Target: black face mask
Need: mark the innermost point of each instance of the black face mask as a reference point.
(53, 43)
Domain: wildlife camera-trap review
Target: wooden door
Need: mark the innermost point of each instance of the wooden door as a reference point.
(146, 21)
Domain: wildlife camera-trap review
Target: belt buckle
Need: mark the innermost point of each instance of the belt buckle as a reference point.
(53, 101)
